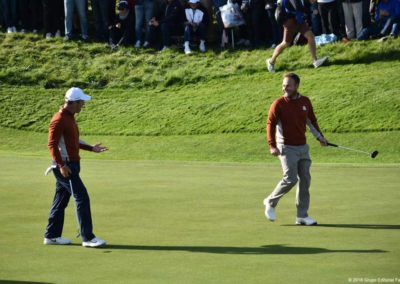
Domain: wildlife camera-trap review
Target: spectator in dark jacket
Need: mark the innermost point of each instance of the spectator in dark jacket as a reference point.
(168, 20)
(122, 31)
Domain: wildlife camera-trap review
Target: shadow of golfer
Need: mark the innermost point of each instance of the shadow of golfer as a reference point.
(357, 226)
(22, 282)
(267, 249)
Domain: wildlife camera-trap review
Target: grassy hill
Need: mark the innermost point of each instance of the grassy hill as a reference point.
(204, 106)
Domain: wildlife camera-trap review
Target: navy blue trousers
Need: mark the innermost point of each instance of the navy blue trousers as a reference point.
(60, 202)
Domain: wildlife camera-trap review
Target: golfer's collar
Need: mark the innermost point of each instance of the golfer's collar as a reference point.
(65, 110)
(298, 96)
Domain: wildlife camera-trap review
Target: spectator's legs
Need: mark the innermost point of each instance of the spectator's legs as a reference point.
(47, 24)
(58, 15)
(323, 11)
(148, 14)
(187, 35)
(166, 34)
(81, 7)
(139, 18)
(357, 8)
(101, 15)
(348, 18)
(24, 14)
(387, 27)
(275, 28)
(36, 16)
(396, 26)
(202, 31)
(69, 7)
(10, 13)
(333, 15)
(315, 19)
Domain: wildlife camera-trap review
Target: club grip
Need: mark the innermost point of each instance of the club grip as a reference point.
(331, 144)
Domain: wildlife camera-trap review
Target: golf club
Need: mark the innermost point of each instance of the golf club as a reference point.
(372, 155)
(76, 212)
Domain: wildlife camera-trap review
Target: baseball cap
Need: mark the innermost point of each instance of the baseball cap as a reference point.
(76, 94)
(194, 1)
(123, 5)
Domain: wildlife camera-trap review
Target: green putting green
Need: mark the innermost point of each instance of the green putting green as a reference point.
(202, 222)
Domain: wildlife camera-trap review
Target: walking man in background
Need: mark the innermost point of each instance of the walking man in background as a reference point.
(292, 15)
(286, 127)
(64, 145)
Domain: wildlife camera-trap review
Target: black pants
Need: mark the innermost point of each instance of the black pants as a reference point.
(53, 16)
(329, 18)
(30, 12)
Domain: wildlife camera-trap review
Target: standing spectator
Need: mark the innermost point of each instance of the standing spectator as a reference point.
(10, 15)
(253, 13)
(30, 15)
(288, 117)
(53, 17)
(101, 18)
(143, 14)
(196, 24)
(64, 146)
(315, 18)
(328, 10)
(353, 17)
(223, 33)
(69, 8)
(293, 17)
(168, 20)
(122, 31)
(276, 30)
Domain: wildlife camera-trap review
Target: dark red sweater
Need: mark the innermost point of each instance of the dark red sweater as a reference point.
(63, 140)
(287, 120)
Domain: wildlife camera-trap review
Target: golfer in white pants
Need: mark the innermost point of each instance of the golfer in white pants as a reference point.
(286, 127)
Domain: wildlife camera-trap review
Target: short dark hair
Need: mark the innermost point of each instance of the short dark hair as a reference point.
(293, 76)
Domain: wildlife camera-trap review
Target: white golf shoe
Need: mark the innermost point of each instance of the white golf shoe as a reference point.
(317, 63)
(269, 211)
(94, 243)
(308, 221)
(270, 65)
(56, 241)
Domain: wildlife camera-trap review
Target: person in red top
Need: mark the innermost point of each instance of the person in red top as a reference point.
(64, 146)
(286, 127)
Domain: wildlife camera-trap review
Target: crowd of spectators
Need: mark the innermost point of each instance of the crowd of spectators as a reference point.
(160, 23)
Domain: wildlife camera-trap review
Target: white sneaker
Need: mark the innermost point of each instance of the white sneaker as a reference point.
(270, 66)
(14, 29)
(146, 44)
(35, 31)
(317, 63)
(202, 46)
(308, 221)
(94, 243)
(187, 50)
(23, 31)
(58, 33)
(137, 44)
(165, 48)
(269, 211)
(48, 35)
(9, 30)
(56, 241)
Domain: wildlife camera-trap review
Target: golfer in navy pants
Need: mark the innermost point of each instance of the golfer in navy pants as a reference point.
(64, 146)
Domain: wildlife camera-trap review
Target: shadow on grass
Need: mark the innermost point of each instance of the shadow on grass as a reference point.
(267, 249)
(357, 226)
(22, 282)
(368, 57)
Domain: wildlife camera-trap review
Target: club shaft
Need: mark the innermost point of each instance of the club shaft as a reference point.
(355, 150)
